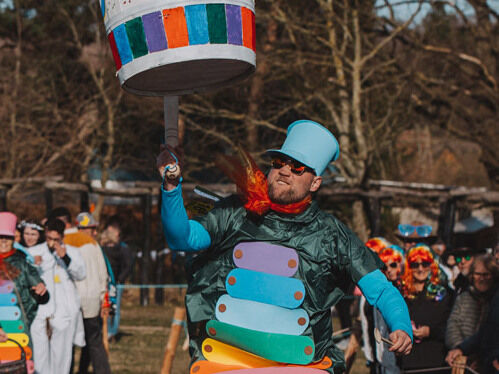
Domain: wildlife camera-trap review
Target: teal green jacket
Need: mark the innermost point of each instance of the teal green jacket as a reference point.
(331, 257)
(26, 278)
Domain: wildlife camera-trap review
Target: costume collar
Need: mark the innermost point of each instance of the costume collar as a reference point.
(308, 215)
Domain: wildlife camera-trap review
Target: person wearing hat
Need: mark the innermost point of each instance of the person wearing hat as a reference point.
(29, 287)
(87, 224)
(91, 289)
(414, 233)
(464, 257)
(270, 253)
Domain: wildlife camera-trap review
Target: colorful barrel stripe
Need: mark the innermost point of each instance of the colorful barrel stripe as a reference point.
(234, 24)
(154, 30)
(176, 27)
(136, 37)
(197, 24)
(182, 27)
(217, 27)
(249, 35)
(114, 51)
(123, 45)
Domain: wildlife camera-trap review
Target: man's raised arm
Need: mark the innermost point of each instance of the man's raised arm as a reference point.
(181, 233)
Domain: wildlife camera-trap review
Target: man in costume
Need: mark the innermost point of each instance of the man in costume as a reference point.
(91, 289)
(272, 264)
(55, 326)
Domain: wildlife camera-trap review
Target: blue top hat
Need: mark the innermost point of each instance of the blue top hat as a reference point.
(311, 144)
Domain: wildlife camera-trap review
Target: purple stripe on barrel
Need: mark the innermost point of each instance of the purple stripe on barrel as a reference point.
(155, 31)
(234, 24)
(266, 258)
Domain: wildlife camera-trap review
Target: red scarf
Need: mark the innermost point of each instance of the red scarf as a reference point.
(252, 185)
(7, 254)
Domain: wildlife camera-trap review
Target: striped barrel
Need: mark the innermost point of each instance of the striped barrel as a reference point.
(168, 47)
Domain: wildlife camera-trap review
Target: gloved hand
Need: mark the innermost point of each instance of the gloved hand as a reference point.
(170, 160)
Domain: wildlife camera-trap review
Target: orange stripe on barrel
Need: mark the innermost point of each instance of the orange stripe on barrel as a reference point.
(176, 27)
(248, 21)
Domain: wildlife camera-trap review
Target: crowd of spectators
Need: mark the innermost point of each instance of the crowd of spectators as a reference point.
(453, 301)
(66, 275)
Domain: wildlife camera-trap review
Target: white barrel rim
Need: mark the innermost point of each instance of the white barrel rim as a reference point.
(184, 54)
(118, 17)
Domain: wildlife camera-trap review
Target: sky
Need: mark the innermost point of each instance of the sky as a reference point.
(405, 10)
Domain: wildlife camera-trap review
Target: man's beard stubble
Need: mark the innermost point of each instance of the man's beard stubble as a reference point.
(287, 197)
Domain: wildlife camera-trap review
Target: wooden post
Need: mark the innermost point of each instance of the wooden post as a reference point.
(3, 198)
(446, 220)
(84, 202)
(460, 365)
(159, 293)
(171, 346)
(105, 337)
(49, 202)
(144, 292)
(374, 211)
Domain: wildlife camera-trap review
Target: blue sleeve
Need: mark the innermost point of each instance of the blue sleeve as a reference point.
(181, 233)
(380, 293)
(19, 247)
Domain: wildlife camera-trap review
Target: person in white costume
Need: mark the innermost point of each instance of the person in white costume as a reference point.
(58, 324)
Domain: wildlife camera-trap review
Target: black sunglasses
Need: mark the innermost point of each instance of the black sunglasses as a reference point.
(424, 264)
(6, 237)
(295, 166)
(394, 265)
(460, 258)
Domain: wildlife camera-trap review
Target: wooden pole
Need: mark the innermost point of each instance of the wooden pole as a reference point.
(170, 105)
(459, 365)
(446, 220)
(84, 202)
(171, 346)
(105, 338)
(3, 198)
(374, 211)
(48, 200)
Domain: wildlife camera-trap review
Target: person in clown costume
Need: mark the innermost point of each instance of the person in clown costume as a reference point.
(429, 304)
(270, 263)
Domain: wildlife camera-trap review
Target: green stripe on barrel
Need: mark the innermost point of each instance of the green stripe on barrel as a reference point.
(217, 26)
(136, 37)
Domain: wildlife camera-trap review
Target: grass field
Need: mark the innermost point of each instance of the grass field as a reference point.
(144, 333)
